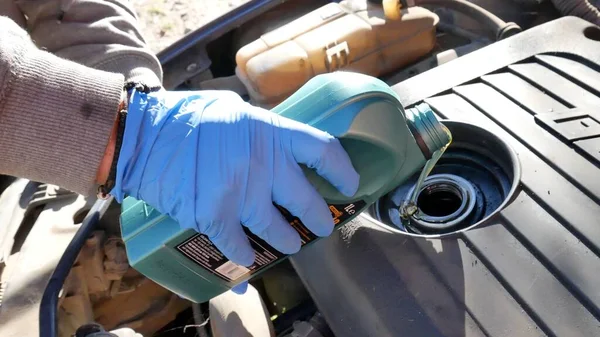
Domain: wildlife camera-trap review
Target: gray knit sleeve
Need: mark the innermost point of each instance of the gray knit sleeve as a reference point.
(55, 115)
(99, 34)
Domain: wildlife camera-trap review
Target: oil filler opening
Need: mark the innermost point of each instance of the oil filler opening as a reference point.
(474, 179)
(444, 201)
(440, 200)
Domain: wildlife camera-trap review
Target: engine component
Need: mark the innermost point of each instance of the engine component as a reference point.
(329, 39)
(199, 320)
(97, 330)
(433, 61)
(315, 327)
(581, 8)
(283, 290)
(92, 330)
(100, 286)
(31, 262)
(12, 213)
(500, 28)
(531, 269)
(240, 315)
(476, 177)
(385, 144)
(279, 16)
(392, 9)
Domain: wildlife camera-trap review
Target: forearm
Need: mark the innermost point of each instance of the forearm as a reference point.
(56, 116)
(99, 34)
(108, 157)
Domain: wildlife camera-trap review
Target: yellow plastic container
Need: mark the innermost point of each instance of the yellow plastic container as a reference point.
(331, 38)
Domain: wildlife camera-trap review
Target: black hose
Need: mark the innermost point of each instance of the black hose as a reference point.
(199, 320)
(49, 305)
(500, 28)
(580, 8)
(528, 3)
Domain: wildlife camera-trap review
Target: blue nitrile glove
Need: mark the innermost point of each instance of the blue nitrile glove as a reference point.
(213, 162)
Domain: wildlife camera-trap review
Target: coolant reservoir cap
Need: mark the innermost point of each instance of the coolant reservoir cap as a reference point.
(429, 133)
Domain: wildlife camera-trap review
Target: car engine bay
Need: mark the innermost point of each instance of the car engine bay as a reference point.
(522, 262)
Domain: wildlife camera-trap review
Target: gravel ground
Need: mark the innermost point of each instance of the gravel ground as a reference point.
(165, 21)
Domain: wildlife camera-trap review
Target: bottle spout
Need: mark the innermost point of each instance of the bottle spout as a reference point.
(429, 133)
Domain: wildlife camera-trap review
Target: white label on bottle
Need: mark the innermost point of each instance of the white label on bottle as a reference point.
(232, 270)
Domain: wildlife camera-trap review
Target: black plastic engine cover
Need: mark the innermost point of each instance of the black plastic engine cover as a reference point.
(534, 270)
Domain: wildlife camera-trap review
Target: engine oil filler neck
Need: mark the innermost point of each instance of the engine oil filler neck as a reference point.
(433, 138)
(476, 177)
(443, 201)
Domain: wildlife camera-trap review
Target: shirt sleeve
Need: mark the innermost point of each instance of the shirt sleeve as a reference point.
(101, 34)
(56, 115)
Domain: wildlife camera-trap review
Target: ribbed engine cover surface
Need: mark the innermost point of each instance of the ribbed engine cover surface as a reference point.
(534, 270)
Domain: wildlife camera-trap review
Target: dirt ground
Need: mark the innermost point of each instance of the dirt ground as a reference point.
(165, 21)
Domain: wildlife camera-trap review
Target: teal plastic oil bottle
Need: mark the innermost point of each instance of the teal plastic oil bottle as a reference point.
(386, 145)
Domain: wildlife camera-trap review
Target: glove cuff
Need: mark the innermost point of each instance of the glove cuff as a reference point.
(104, 189)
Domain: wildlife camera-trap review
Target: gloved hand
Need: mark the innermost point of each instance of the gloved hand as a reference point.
(213, 162)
